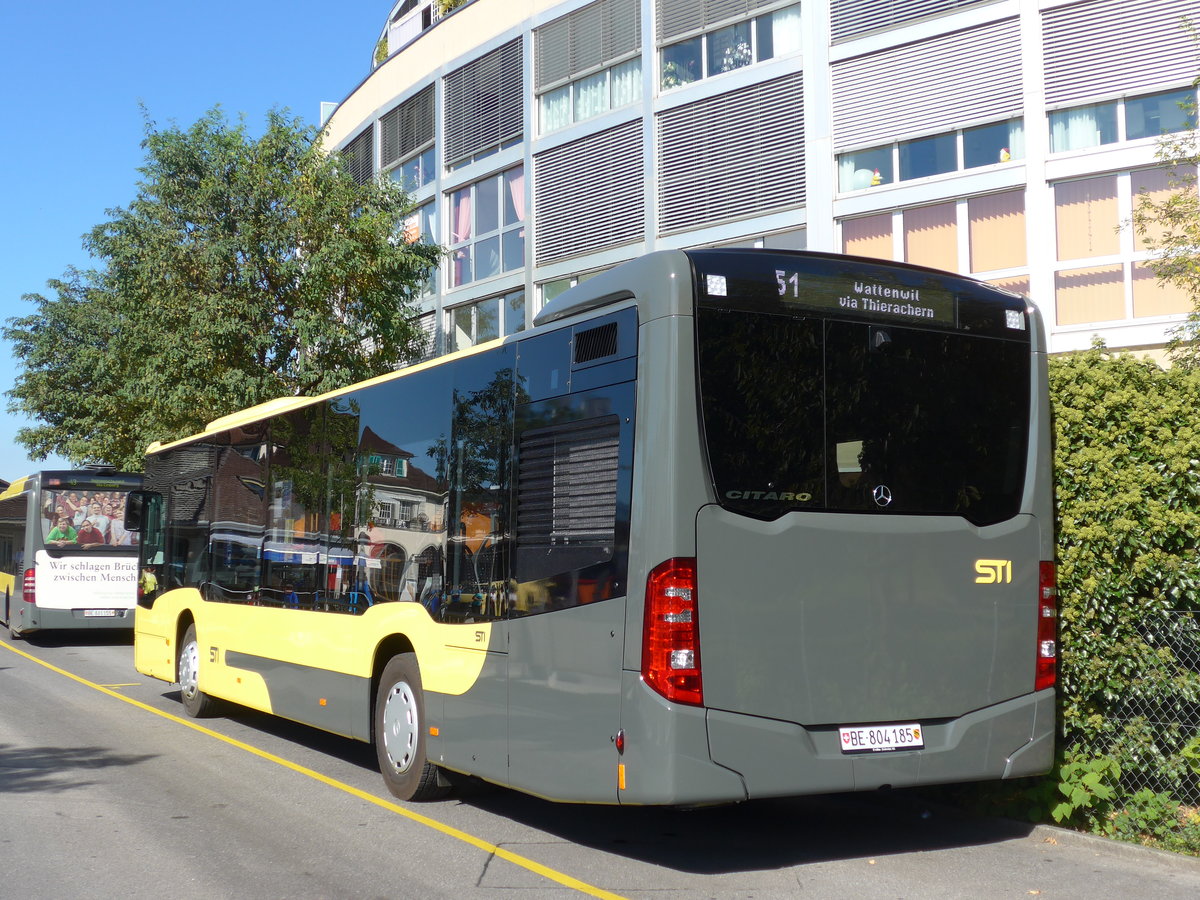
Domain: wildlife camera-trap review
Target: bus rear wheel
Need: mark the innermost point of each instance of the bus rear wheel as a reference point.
(400, 733)
(196, 703)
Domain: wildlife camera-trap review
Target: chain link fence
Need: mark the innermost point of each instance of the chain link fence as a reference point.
(1153, 735)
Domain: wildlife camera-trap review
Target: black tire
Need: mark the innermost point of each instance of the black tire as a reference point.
(400, 733)
(196, 703)
(13, 634)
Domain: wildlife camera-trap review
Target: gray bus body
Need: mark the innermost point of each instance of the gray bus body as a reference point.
(839, 467)
(62, 584)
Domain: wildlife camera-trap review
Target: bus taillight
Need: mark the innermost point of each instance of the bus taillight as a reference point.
(1047, 629)
(27, 589)
(671, 633)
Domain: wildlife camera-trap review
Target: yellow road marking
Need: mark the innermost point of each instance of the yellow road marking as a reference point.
(448, 830)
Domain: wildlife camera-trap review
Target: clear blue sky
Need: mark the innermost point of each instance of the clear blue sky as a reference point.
(74, 75)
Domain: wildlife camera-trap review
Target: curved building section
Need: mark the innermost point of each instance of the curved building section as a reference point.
(546, 141)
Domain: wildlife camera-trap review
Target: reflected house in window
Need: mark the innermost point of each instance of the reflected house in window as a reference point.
(403, 519)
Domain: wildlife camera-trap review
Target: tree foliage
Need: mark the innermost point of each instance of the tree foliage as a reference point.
(1169, 226)
(244, 269)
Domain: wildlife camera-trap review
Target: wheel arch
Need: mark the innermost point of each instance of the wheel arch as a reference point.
(392, 645)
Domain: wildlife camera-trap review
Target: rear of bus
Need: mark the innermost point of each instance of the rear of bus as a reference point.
(845, 530)
(78, 565)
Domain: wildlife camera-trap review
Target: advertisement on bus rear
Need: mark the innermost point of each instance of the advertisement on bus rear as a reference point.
(74, 582)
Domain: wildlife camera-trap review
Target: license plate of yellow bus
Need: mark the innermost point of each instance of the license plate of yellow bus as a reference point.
(881, 738)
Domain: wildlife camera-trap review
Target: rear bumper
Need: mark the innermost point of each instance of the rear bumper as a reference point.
(27, 620)
(1008, 740)
(679, 755)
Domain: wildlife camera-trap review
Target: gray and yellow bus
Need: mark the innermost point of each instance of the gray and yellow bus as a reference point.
(66, 560)
(724, 524)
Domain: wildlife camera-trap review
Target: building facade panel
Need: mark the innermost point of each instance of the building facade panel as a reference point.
(908, 89)
(851, 18)
(1110, 47)
(733, 155)
(590, 194)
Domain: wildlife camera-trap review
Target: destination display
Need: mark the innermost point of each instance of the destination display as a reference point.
(877, 294)
(799, 283)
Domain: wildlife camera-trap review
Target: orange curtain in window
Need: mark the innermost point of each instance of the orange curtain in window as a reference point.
(1018, 285)
(996, 228)
(868, 236)
(931, 236)
(1154, 298)
(1089, 295)
(1086, 217)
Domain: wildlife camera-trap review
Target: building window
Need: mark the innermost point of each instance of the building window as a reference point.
(591, 96)
(380, 464)
(1083, 127)
(416, 171)
(487, 227)
(935, 155)
(1103, 274)
(731, 47)
(486, 320)
(996, 231)
(359, 155)
(865, 168)
(406, 138)
(929, 235)
(421, 225)
(551, 289)
(484, 107)
(869, 236)
(1095, 294)
(1131, 119)
(939, 154)
(1159, 114)
(1086, 217)
(991, 144)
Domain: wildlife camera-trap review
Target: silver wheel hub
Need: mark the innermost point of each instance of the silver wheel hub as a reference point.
(189, 670)
(400, 726)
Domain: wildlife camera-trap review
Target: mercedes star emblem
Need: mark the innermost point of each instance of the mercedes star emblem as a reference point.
(882, 495)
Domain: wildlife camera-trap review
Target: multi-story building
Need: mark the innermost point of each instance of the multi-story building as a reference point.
(547, 140)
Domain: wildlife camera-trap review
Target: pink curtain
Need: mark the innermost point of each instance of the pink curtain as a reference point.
(462, 216)
(516, 190)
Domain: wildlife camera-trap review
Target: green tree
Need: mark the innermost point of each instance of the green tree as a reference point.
(1170, 226)
(244, 269)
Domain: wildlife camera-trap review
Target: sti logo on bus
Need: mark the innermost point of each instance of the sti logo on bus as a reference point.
(993, 571)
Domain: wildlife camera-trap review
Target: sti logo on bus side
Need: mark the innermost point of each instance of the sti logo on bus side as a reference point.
(993, 571)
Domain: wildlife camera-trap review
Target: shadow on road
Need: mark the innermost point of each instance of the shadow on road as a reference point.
(25, 770)
(109, 637)
(758, 835)
(761, 834)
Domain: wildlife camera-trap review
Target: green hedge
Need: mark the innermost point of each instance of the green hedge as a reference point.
(1127, 483)
(1127, 472)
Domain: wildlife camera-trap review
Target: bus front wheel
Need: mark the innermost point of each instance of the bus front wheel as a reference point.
(400, 732)
(197, 703)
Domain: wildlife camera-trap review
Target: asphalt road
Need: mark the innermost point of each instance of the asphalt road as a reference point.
(106, 790)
